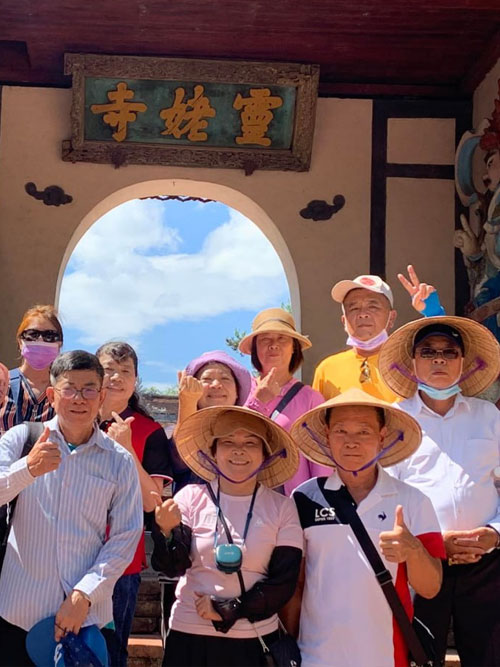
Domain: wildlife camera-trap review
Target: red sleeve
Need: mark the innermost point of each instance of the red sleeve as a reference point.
(434, 544)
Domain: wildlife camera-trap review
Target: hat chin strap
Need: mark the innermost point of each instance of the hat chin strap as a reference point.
(204, 458)
(479, 365)
(355, 472)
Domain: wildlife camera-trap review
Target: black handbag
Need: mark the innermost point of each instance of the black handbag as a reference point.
(418, 637)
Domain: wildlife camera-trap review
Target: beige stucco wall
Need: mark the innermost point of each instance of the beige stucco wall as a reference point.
(36, 240)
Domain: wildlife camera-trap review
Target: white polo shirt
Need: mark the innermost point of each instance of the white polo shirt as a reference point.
(345, 619)
(454, 464)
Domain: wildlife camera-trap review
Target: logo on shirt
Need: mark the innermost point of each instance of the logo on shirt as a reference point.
(382, 516)
(324, 514)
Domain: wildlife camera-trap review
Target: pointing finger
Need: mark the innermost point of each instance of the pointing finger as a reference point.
(129, 420)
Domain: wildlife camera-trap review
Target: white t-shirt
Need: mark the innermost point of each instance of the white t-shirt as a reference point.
(274, 523)
(345, 619)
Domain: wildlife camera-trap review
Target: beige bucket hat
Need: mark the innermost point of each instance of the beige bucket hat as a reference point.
(198, 432)
(481, 356)
(313, 423)
(273, 320)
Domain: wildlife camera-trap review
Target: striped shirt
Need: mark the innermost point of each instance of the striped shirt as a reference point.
(21, 404)
(57, 542)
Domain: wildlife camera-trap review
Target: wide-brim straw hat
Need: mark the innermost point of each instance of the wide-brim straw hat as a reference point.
(397, 423)
(198, 432)
(273, 320)
(481, 355)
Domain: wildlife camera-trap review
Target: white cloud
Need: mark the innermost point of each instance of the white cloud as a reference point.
(127, 274)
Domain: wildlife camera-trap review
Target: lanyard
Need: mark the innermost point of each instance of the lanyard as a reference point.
(222, 518)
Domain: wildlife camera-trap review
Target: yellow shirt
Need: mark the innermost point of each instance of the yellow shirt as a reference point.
(343, 371)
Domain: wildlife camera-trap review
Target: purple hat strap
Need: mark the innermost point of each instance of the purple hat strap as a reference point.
(479, 365)
(204, 458)
(326, 450)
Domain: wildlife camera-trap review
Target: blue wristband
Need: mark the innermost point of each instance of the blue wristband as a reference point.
(433, 306)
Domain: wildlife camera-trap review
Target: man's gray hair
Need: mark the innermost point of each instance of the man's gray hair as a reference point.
(75, 360)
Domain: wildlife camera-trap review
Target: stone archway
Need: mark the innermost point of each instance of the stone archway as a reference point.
(183, 187)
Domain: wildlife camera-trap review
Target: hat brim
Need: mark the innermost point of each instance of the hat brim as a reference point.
(195, 435)
(41, 645)
(245, 346)
(396, 420)
(479, 344)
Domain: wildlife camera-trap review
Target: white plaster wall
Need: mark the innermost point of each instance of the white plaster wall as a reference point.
(34, 238)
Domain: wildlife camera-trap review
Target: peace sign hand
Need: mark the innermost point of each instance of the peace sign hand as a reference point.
(267, 387)
(417, 290)
(121, 431)
(465, 239)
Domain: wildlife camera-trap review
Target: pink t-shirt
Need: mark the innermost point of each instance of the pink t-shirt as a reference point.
(306, 399)
(274, 523)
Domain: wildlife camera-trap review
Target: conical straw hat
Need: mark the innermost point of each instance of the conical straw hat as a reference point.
(273, 320)
(197, 433)
(482, 352)
(396, 421)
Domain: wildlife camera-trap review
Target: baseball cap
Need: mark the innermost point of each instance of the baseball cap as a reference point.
(371, 283)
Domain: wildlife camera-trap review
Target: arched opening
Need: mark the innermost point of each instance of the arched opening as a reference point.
(229, 196)
(135, 224)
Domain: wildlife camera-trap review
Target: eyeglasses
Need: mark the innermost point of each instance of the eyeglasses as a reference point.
(449, 353)
(87, 393)
(47, 335)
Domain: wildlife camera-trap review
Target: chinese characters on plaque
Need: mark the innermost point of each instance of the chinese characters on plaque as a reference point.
(204, 113)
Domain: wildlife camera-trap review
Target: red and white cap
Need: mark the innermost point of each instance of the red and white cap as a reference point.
(371, 283)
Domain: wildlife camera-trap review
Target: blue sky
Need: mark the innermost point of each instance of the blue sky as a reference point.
(173, 279)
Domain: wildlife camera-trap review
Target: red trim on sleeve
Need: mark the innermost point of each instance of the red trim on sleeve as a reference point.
(400, 648)
(434, 544)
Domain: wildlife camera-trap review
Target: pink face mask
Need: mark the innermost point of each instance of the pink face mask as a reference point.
(39, 355)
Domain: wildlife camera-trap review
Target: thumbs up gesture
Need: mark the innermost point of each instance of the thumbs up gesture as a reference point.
(399, 545)
(44, 456)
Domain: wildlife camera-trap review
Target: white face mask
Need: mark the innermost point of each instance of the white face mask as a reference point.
(370, 344)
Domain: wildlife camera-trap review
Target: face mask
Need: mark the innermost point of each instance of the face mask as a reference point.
(39, 355)
(368, 345)
(439, 394)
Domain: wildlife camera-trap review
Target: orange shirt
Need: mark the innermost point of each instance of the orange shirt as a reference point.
(344, 370)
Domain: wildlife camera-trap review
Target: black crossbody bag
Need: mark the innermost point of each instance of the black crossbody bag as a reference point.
(419, 656)
(35, 430)
(290, 394)
(284, 652)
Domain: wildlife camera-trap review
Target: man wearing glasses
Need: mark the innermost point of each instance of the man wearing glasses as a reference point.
(438, 366)
(74, 484)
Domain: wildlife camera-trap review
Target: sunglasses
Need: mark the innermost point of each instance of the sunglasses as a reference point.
(87, 393)
(47, 335)
(449, 353)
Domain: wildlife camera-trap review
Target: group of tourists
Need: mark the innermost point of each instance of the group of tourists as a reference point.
(359, 516)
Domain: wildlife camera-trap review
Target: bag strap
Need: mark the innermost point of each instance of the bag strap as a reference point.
(290, 394)
(15, 384)
(348, 512)
(35, 430)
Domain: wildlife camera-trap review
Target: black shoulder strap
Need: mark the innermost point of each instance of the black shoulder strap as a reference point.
(348, 511)
(35, 430)
(291, 393)
(15, 384)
